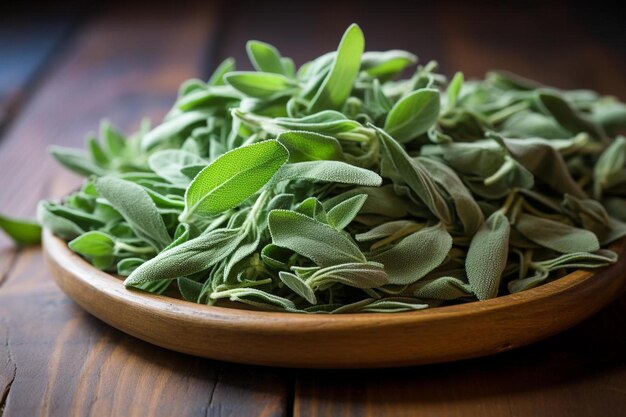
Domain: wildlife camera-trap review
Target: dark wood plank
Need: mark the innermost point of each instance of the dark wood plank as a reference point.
(54, 358)
(243, 390)
(581, 372)
(28, 45)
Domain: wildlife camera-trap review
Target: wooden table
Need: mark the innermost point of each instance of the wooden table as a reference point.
(60, 72)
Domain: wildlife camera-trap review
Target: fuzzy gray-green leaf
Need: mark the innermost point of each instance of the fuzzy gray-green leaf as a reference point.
(132, 202)
(317, 241)
(413, 115)
(488, 255)
(415, 255)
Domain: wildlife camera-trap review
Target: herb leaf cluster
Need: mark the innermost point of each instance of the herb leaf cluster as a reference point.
(340, 186)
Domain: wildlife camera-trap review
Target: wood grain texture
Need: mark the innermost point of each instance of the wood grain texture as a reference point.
(55, 359)
(371, 340)
(60, 361)
(28, 45)
(581, 372)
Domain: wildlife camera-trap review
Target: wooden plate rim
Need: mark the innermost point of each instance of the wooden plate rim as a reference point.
(58, 251)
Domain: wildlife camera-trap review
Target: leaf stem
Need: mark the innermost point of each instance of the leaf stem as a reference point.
(505, 168)
(507, 112)
(510, 199)
(121, 246)
(223, 293)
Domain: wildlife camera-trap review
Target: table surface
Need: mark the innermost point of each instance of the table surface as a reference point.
(60, 73)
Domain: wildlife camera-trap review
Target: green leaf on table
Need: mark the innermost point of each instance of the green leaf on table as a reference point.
(22, 231)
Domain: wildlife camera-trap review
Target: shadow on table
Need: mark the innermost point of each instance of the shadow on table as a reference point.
(564, 366)
(587, 360)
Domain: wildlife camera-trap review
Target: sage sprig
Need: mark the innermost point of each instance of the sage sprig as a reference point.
(339, 187)
(22, 231)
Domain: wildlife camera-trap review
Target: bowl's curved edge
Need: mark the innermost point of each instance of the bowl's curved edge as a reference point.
(339, 341)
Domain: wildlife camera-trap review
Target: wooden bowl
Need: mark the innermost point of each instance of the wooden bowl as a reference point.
(367, 340)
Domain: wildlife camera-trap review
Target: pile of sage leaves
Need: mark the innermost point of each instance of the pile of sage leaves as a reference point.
(340, 186)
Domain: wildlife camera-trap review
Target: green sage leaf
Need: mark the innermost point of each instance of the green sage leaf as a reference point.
(487, 256)
(137, 208)
(415, 255)
(413, 115)
(557, 236)
(232, 178)
(22, 231)
(337, 85)
(314, 240)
